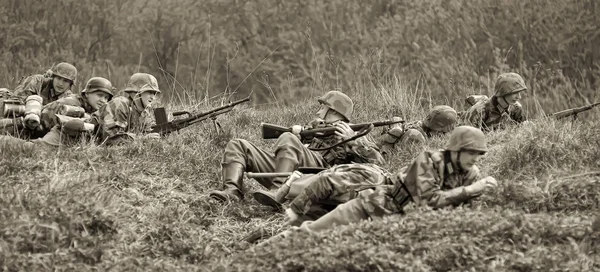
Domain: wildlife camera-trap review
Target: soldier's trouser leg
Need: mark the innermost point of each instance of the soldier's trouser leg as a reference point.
(290, 154)
(346, 213)
(12, 142)
(239, 156)
(349, 212)
(318, 190)
(54, 138)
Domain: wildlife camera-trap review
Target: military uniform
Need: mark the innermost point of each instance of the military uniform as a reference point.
(121, 119)
(441, 119)
(489, 113)
(291, 153)
(42, 85)
(78, 103)
(39, 85)
(434, 178)
(339, 184)
(39, 88)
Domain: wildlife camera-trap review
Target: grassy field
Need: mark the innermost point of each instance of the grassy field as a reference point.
(145, 206)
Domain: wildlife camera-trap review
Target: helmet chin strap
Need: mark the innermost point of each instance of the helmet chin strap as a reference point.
(457, 161)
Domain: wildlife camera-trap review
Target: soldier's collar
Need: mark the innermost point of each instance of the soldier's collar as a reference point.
(497, 105)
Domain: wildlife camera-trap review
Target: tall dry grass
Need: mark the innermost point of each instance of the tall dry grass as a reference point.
(145, 206)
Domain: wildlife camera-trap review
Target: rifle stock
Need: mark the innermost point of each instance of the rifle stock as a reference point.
(164, 127)
(573, 111)
(271, 131)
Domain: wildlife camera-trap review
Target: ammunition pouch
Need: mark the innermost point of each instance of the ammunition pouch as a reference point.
(400, 194)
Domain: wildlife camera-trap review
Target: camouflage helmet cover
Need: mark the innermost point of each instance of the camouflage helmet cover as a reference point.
(467, 138)
(509, 83)
(339, 102)
(142, 82)
(64, 70)
(98, 84)
(441, 118)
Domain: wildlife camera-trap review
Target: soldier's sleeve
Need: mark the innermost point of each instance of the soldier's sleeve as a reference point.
(428, 185)
(517, 114)
(48, 117)
(365, 151)
(31, 85)
(114, 118)
(473, 116)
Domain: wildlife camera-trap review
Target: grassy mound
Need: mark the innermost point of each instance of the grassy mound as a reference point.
(444, 240)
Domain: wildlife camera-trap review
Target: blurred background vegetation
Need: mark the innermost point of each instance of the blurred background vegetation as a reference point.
(284, 49)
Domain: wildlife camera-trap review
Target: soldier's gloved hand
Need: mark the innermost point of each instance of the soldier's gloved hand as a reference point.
(482, 185)
(31, 121)
(344, 131)
(291, 216)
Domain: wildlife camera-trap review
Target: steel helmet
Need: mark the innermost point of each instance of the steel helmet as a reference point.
(142, 82)
(441, 118)
(467, 138)
(339, 102)
(98, 84)
(64, 70)
(509, 83)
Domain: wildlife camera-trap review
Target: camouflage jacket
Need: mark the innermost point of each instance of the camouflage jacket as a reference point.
(48, 116)
(121, 117)
(431, 179)
(361, 150)
(487, 114)
(339, 184)
(38, 85)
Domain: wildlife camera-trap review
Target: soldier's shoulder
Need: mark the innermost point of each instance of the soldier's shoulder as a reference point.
(119, 100)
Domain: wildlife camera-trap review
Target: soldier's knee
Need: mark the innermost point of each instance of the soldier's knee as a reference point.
(288, 139)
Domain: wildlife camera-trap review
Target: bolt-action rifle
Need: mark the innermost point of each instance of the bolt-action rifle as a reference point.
(164, 127)
(573, 112)
(271, 131)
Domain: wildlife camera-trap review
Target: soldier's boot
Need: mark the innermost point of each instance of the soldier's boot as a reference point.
(277, 198)
(274, 197)
(232, 183)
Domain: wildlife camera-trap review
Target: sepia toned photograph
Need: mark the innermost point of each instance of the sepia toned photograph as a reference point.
(272, 135)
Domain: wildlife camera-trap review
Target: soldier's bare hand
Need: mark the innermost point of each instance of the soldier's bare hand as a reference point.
(291, 216)
(482, 185)
(344, 131)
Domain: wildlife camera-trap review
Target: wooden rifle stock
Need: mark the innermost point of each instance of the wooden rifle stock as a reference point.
(271, 131)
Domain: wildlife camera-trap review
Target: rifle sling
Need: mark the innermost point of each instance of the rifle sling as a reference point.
(363, 132)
